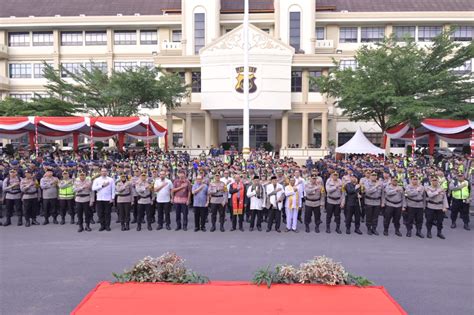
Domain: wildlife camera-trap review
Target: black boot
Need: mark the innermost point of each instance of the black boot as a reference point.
(123, 227)
(213, 228)
(88, 228)
(20, 221)
(338, 229)
(139, 226)
(81, 228)
(8, 222)
(72, 219)
(374, 231)
(149, 227)
(440, 235)
(358, 231)
(222, 228)
(453, 225)
(466, 227)
(63, 220)
(397, 232)
(307, 228)
(46, 221)
(328, 228)
(316, 228)
(428, 234)
(34, 222)
(127, 226)
(419, 234)
(55, 220)
(409, 233)
(27, 222)
(348, 231)
(385, 232)
(369, 230)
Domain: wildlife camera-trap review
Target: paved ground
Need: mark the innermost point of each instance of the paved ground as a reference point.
(49, 269)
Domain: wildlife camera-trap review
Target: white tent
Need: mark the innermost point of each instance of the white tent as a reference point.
(359, 144)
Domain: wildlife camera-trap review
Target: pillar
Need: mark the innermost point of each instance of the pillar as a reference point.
(284, 130)
(188, 138)
(56, 48)
(311, 131)
(110, 51)
(304, 130)
(276, 32)
(207, 129)
(169, 126)
(305, 85)
(188, 80)
(324, 130)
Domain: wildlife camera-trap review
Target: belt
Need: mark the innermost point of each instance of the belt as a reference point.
(30, 193)
(414, 200)
(370, 198)
(13, 192)
(391, 201)
(314, 199)
(84, 195)
(334, 198)
(143, 197)
(124, 195)
(435, 203)
(217, 196)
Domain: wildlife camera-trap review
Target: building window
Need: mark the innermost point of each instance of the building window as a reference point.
(196, 86)
(320, 33)
(313, 87)
(20, 70)
(372, 34)
(147, 64)
(348, 35)
(96, 38)
(177, 139)
(296, 81)
(18, 39)
(42, 38)
(71, 39)
(38, 70)
(348, 63)
(122, 66)
(125, 37)
(199, 32)
(176, 36)
(148, 37)
(295, 30)
(102, 66)
(463, 33)
(404, 32)
(70, 67)
(428, 33)
(466, 68)
(374, 137)
(26, 97)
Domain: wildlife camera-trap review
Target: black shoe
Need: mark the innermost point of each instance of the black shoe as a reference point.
(20, 221)
(149, 227)
(251, 229)
(296, 231)
(222, 228)
(374, 231)
(46, 221)
(278, 230)
(196, 229)
(338, 230)
(267, 230)
(232, 229)
(55, 221)
(159, 227)
(306, 229)
(316, 229)
(123, 227)
(127, 226)
(397, 233)
(369, 231)
(177, 228)
(34, 222)
(409, 233)
(108, 229)
(185, 228)
(203, 229)
(259, 229)
(348, 231)
(441, 236)
(419, 234)
(466, 227)
(213, 228)
(63, 221)
(139, 227)
(241, 229)
(357, 231)
(453, 225)
(428, 234)
(385, 232)
(27, 223)
(168, 227)
(88, 228)
(102, 229)
(328, 230)
(81, 228)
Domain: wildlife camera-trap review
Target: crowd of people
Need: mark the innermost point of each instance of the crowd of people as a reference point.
(264, 191)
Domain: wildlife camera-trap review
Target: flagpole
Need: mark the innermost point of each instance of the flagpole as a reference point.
(246, 114)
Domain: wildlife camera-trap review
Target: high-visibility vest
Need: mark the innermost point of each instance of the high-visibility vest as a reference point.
(443, 182)
(66, 193)
(461, 194)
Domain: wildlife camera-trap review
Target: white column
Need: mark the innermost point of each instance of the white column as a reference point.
(284, 130)
(207, 129)
(246, 114)
(305, 85)
(311, 131)
(169, 126)
(188, 80)
(324, 130)
(188, 140)
(304, 130)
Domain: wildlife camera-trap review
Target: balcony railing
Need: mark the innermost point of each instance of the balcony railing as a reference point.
(327, 43)
(171, 46)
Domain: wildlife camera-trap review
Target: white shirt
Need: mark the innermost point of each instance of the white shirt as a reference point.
(274, 198)
(255, 202)
(164, 195)
(106, 193)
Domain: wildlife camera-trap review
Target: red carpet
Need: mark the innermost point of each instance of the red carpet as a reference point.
(235, 298)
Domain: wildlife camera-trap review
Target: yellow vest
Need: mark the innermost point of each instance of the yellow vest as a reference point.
(461, 194)
(67, 192)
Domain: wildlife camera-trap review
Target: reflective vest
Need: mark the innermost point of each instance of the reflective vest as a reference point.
(66, 193)
(461, 194)
(443, 182)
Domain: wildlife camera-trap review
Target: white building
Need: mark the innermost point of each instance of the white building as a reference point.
(290, 41)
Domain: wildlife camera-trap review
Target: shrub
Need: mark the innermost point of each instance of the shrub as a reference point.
(358, 280)
(286, 274)
(264, 275)
(322, 270)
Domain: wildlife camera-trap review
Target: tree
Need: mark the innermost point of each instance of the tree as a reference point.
(94, 92)
(395, 82)
(38, 107)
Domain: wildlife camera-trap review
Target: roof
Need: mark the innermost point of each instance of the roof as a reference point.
(22, 8)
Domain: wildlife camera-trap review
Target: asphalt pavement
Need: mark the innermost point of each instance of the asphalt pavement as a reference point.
(49, 269)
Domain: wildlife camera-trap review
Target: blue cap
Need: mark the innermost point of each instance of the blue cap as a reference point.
(14, 162)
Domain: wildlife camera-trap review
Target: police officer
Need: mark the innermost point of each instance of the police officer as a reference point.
(12, 197)
(275, 193)
(415, 203)
(123, 191)
(393, 199)
(352, 205)
(314, 200)
(83, 200)
(335, 198)
(436, 206)
(29, 189)
(49, 185)
(461, 196)
(144, 191)
(218, 199)
(66, 197)
(372, 200)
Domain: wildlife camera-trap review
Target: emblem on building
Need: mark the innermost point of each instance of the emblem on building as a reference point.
(239, 86)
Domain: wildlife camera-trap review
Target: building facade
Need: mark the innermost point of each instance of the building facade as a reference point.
(290, 42)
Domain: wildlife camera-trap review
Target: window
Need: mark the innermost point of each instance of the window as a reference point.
(102, 66)
(372, 34)
(177, 139)
(320, 33)
(196, 86)
(427, 33)
(147, 64)
(38, 70)
(403, 32)
(349, 63)
(463, 34)
(20, 70)
(295, 30)
(42, 38)
(26, 97)
(296, 81)
(96, 38)
(121, 66)
(313, 87)
(71, 39)
(348, 35)
(19, 39)
(125, 37)
(73, 67)
(176, 36)
(148, 37)
(199, 32)
(466, 68)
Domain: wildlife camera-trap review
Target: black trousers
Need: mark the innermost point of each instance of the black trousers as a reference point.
(30, 208)
(13, 206)
(50, 207)
(362, 208)
(237, 217)
(371, 216)
(135, 207)
(274, 214)
(217, 208)
(142, 211)
(66, 206)
(458, 206)
(352, 211)
(414, 215)
(392, 214)
(331, 210)
(124, 209)
(181, 208)
(200, 217)
(308, 213)
(104, 212)
(83, 210)
(256, 213)
(433, 215)
(163, 209)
